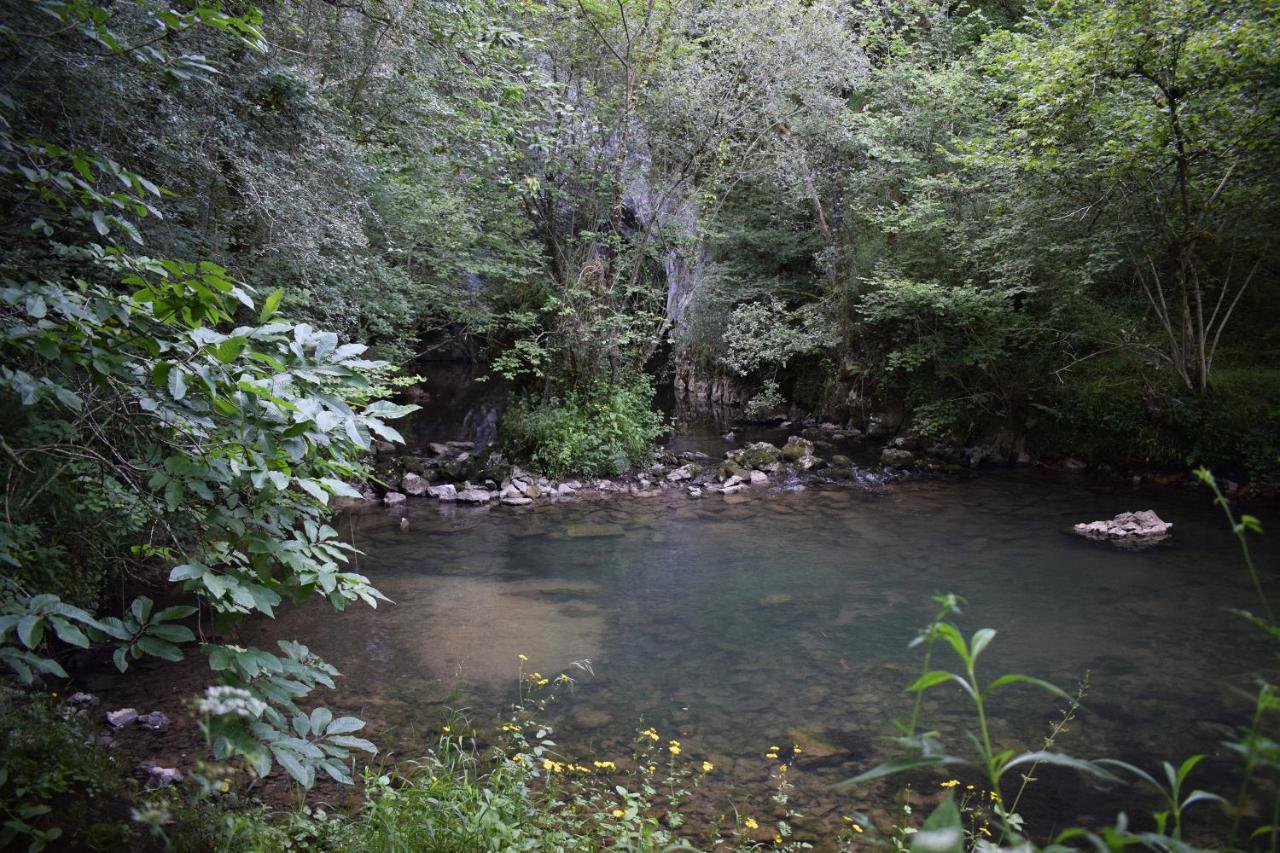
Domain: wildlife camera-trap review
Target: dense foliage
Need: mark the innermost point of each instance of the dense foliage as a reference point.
(1045, 224)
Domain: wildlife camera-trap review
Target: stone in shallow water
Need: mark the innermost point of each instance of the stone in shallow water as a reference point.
(592, 530)
(1127, 528)
(122, 717)
(412, 484)
(393, 498)
(156, 721)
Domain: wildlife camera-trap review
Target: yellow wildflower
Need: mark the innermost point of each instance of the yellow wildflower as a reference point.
(523, 658)
(750, 823)
(617, 812)
(968, 787)
(674, 747)
(772, 756)
(651, 734)
(984, 831)
(777, 839)
(605, 765)
(446, 730)
(796, 749)
(652, 768)
(225, 786)
(707, 767)
(951, 783)
(856, 828)
(782, 768)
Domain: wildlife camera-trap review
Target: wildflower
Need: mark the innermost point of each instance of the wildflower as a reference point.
(796, 749)
(652, 768)
(605, 765)
(225, 786)
(523, 658)
(782, 768)
(553, 766)
(951, 783)
(984, 831)
(995, 796)
(617, 812)
(750, 823)
(674, 747)
(707, 767)
(563, 678)
(447, 729)
(777, 839)
(968, 787)
(651, 734)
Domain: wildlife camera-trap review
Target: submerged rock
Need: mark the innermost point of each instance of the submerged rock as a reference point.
(1127, 528)
(516, 501)
(590, 530)
(393, 498)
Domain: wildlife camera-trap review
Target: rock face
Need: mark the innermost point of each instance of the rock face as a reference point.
(1127, 528)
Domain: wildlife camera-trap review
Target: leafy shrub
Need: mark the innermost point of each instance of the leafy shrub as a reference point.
(599, 431)
(54, 779)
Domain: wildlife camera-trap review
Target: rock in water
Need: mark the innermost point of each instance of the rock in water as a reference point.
(896, 457)
(445, 492)
(156, 721)
(393, 498)
(412, 484)
(121, 718)
(1135, 529)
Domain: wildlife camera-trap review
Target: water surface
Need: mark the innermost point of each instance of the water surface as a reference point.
(736, 624)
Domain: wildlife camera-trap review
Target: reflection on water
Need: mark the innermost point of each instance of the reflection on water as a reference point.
(736, 624)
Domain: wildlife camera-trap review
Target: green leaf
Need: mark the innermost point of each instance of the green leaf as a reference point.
(897, 765)
(1061, 760)
(100, 223)
(270, 304)
(981, 639)
(159, 648)
(177, 383)
(320, 718)
(942, 832)
(345, 725)
(31, 630)
(304, 775)
(1014, 678)
(141, 608)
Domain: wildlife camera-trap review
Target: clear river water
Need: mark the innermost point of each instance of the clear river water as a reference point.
(775, 618)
